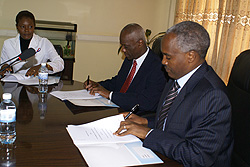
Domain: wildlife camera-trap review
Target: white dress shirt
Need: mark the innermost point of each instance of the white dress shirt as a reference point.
(139, 62)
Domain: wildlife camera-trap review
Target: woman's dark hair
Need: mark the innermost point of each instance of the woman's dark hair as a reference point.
(26, 14)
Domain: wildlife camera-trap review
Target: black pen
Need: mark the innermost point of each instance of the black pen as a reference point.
(132, 110)
(88, 80)
(87, 83)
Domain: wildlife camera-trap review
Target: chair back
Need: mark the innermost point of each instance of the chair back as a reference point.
(239, 95)
(59, 50)
(156, 47)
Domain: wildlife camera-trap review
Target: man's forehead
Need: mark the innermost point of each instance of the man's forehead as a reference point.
(168, 38)
(127, 39)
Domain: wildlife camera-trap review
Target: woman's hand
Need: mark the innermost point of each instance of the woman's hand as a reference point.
(5, 69)
(33, 71)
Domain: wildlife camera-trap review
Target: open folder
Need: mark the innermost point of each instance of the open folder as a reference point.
(99, 147)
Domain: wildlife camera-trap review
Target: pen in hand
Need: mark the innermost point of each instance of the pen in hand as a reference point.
(88, 80)
(132, 110)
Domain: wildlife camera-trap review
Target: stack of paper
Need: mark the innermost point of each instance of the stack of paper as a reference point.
(76, 94)
(22, 79)
(100, 147)
(83, 98)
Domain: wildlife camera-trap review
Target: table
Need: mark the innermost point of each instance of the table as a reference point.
(42, 139)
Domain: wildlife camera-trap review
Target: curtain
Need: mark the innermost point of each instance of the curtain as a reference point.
(228, 24)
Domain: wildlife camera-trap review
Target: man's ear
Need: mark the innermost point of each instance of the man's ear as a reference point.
(192, 56)
(140, 42)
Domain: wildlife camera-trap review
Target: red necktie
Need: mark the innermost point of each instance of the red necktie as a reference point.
(129, 78)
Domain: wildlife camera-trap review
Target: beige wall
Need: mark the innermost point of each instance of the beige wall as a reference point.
(98, 19)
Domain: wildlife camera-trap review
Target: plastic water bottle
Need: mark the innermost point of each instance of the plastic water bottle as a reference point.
(7, 120)
(7, 155)
(42, 105)
(43, 76)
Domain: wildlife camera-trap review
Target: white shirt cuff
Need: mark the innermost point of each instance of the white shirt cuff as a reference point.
(149, 132)
(110, 95)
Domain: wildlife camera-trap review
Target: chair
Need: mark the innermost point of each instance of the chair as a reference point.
(59, 50)
(239, 95)
(156, 47)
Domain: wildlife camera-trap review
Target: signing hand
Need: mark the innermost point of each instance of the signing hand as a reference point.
(135, 118)
(134, 125)
(95, 87)
(90, 85)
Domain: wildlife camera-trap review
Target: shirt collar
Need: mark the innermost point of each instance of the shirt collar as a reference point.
(140, 60)
(182, 81)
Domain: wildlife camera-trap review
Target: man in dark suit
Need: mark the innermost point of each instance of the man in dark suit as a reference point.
(193, 123)
(148, 80)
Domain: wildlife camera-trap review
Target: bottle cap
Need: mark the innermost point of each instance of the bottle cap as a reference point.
(43, 64)
(7, 96)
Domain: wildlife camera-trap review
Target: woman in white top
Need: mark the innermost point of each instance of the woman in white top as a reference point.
(25, 24)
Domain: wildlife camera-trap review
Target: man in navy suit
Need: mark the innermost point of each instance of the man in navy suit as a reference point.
(196, 127)
(148, 78)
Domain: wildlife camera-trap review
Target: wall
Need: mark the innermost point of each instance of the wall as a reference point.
(99, 23)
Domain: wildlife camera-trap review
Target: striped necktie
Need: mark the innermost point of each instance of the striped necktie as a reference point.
(167, 104)
(129, 78)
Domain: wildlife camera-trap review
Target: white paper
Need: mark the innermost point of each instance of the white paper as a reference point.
(93, 102)
(100, 131)
(30, 80)
(35, 81)
(14, 77)
(77, 94)
(115, 155)
(100, 148)
(109, 155)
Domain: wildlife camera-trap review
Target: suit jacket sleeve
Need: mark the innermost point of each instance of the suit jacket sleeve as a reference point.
(206, 130)
(148, 97)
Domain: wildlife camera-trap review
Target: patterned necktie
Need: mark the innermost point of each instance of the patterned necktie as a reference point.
(167, 104)
(129, 79)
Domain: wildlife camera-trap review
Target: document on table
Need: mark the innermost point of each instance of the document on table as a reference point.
(76, 94)
(14, 77)
(83, 98)
(22, 79)
(100, 131)
(93, 102)
(95, 140)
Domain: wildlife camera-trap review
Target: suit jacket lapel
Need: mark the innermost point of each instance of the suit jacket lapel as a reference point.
(169, 85)
(34, 42)
(123, 73)
(17, 46)
(141, 72)
(188, 87)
